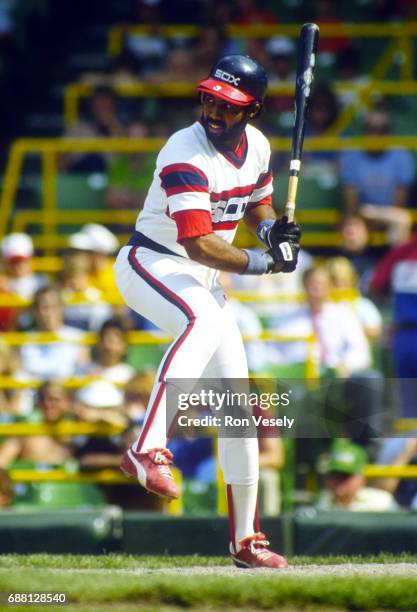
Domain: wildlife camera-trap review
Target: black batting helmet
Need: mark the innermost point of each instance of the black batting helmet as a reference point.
(236, 78)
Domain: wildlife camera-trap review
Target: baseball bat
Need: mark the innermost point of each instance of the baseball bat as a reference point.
(307, 48)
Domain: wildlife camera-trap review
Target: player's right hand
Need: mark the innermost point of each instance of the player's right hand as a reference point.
(285, 255)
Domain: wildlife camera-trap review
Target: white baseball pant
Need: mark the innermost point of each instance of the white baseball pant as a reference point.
(185, 300)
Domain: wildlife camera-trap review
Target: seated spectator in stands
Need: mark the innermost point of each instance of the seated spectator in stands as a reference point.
(129, 174)
(346, 486)
(76, 287)
(137, 392)
(271, 460)
(8, 314)
(12, 401)
(340, 350)
(110, 352)
(180, 68)
(53, 405)
(249, 324)
(376, 183)
(356, 246)
(102, 122)
(396, 274)
(325, 12)
(322, 114)
(212, 44)
(100, 244)
(150, 47)
(100, 402)
(348, 72)
(52, 360)
(399, 452)
(253, 12)
(280, 292)
(345, 283)
(6, 490)
(280, 53)
(17, 252)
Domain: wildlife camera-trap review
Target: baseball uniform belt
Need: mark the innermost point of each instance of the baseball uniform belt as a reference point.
(138, 239)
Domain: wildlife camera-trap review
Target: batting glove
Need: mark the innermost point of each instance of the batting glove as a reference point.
(272, 232)
(286, 253)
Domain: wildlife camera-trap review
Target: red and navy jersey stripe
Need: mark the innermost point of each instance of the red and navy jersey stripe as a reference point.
(265, 177)
(183, 178)
(236, 192)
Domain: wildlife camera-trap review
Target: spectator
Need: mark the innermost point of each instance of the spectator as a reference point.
(212, 44)
(348, 72)
(110, 352)
(6, 490)
(17, 251)
(53, 405)
(399, 452)
(99, 243)
(102, 122)
(377, 182)
(397, 274)
(323, 112)
(345, 485)
(249, 324)
(356, 246)
(100, 402)
(340, 350)
(129, 174)
(344, 281)
(150, 48)
(8, 314)
(76, 287)
(253, 12)
(280, 52)
(12, 401)
(137, 392)
(326, 13)
(180, 68)
(52, 360)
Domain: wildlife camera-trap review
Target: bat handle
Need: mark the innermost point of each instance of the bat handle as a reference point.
(292, 191)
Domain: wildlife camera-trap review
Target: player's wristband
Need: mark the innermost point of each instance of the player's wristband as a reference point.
(263, 229)
(259, 262)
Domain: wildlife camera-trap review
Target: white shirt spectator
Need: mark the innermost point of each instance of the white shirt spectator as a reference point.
(340, 339)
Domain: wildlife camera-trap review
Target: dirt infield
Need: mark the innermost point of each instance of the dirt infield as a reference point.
(344, 570)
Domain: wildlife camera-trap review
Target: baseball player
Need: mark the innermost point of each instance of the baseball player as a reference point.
(208, 177)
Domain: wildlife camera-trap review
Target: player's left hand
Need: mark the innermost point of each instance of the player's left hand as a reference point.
(285, 255)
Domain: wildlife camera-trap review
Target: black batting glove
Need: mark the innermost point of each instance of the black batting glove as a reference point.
(286, 253)
(271, 232)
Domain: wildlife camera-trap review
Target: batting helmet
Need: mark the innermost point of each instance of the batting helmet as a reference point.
(236, 78)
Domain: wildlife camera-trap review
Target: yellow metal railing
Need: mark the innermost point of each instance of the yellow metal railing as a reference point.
(401, 33)
(49, 216)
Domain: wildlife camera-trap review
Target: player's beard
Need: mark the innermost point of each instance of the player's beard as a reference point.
(227, 139)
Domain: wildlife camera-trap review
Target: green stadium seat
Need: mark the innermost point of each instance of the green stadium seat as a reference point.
(145, 356)
(199, 497)
(80, 192)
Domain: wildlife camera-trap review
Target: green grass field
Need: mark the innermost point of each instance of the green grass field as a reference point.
(123, 582)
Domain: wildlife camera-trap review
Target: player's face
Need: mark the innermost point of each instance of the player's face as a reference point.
(223, 122)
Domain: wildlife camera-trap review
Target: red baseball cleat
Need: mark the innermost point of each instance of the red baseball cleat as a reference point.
(254, 553)
(152, 470)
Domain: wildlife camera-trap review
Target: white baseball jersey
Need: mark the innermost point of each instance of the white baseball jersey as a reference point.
(197, 189)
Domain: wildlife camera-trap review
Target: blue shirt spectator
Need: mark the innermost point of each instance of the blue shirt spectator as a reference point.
(376, 177)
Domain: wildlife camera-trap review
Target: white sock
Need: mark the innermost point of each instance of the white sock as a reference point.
(244, 506)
